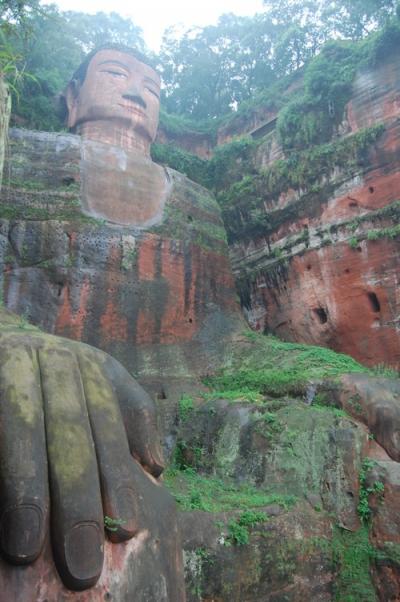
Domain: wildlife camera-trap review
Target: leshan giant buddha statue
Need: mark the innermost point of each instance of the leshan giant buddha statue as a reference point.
(79, 445)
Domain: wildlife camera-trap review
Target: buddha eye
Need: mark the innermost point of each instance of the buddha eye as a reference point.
(152, 91)
(116, 74)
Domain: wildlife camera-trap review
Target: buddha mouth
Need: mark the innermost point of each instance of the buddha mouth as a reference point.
(133, 108)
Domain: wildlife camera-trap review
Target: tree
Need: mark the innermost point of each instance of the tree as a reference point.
(326, 19)
(73, 35)
(209, 70)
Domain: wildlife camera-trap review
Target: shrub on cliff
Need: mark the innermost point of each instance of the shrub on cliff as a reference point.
(311, 117)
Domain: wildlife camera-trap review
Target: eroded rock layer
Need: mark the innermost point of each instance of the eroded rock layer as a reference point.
(317, 262)
(160, 299)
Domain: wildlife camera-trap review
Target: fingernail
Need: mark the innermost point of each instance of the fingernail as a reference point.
(83, 555)
(21, 533)
(126, 514)
(158, 465)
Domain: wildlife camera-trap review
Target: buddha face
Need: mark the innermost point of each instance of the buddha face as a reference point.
(117, 88)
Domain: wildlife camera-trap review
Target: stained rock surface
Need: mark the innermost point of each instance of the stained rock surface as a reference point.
(317, 262)
(299, 468)
(287, 487)
(139, 569)
(293, 496)
(161, 299)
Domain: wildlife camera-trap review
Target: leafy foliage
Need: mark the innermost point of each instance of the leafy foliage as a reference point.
(239, 528)
(192, 166)
(193, 491)
(312, 117)
(32, 43)
(208, 70)
(186, 405)
(377, 488)
(243, 202)
(269, 366)
(352, 554)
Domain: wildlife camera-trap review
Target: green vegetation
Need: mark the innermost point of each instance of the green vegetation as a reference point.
(391, 211)
(186, 406)
(302, 169)
(269, 426)
(239, 528)
(209, 70)
(388, 213)
(389, 552)
(269, 366)
(389, 232)
(352, 554)
(229, 163)
(352, 551)
(179, 125)
(112, 524)
(26, 212)
(336, 411)
(384, 371)
(244, 394)
(30, 34)
(377, 488)
(311, 118)
(192, 166)
(193, 491)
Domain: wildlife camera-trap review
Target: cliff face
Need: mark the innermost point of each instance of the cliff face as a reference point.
(159, 299)
(288, 496)
(5, 108)
(194, 142)
(317, 262)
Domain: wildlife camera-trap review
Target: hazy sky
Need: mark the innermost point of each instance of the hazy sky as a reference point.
(153, 16)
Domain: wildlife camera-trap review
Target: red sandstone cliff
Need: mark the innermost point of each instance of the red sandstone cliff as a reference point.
(327, 270)
(161, 299)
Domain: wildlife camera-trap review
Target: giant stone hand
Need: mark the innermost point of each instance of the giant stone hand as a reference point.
(70, 419)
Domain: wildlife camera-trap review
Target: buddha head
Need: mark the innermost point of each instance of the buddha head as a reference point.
(114, 97)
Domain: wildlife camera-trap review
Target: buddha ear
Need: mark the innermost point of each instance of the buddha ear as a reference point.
(71, 96)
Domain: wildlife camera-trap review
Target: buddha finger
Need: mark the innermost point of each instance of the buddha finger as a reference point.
(119, 491)
(140, 417)
(23, 465)
(76, 510)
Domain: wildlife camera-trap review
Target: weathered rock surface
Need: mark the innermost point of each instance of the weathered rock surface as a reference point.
(313, 547)
(160, 299)
(51, 495)
(287, 558)
(285, 447)
(140, 569)
(325, 270)
(5, 108)
(376, 403)
(194, 142)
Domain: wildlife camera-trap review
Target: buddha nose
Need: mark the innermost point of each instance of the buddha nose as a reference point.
(134, 94)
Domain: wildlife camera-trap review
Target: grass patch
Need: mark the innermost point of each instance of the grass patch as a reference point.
(239, 528)
(185, 407)
(352, 554)
(23, 212)
(187, 163)
(193, 491)
(267, 366)
(244, 394)
(335, 411)
(377, 488)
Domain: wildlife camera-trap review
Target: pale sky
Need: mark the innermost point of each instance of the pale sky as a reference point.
(153, 16)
